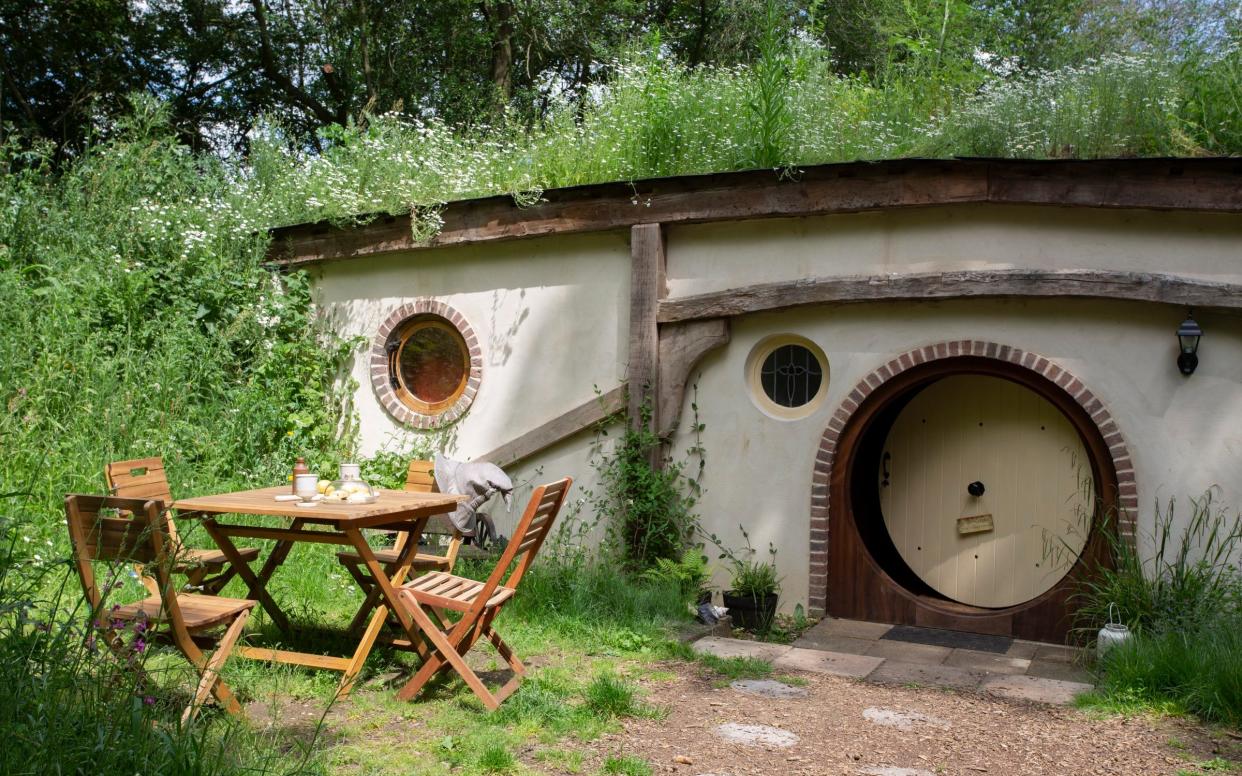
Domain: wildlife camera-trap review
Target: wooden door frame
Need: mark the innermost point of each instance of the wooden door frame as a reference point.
(847, 581)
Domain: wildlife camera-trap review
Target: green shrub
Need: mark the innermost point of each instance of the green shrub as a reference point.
(649, 510)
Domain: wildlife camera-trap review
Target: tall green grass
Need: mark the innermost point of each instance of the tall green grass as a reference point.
(1180, 592)
(1182, 573)
(1198, 669)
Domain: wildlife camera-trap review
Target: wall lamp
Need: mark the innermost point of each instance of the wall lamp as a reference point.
(1188, 334)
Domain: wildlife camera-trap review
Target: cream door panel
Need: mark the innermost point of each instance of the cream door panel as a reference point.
(1037, 488)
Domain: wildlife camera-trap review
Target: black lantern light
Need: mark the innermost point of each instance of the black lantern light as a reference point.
(1188, 335)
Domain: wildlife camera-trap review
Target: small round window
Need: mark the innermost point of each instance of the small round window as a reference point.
(431, 364)
(426, 364)
(788, 376)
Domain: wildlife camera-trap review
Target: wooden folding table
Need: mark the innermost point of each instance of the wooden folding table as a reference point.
(325, 523)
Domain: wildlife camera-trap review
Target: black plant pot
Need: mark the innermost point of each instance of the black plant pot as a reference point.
(751, 612)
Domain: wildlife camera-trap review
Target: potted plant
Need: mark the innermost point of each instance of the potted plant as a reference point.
(753, 595)
(754, 589)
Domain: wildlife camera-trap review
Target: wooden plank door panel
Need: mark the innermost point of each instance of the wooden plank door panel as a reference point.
(1038, 490)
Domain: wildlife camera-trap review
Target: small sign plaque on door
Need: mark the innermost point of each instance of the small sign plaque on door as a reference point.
(974, 524)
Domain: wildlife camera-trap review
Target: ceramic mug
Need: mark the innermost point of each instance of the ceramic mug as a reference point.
(351, 471)
(305, 486)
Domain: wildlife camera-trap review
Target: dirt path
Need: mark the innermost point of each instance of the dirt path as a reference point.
(850, 727)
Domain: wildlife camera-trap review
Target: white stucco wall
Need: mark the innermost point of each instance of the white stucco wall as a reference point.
(1184, 434)
(714, 257)
(551, 316)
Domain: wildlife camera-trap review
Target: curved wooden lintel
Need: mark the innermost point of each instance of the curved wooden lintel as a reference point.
(682, 345)
(1089, 284)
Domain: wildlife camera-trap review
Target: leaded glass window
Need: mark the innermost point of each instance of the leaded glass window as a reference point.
(791, 375)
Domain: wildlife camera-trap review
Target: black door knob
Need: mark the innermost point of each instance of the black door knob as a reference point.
(975, 489)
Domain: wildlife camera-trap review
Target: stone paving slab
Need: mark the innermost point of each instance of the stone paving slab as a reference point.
(1052, 653)
(1066, 672)
(1023, 649)
(832, 643)
(756, 735)
(906, 652)
(854, 629)
(726, 648)
(1034, 688)
(987, 661)
(897, 672)
(819, 662)
(1054, 680)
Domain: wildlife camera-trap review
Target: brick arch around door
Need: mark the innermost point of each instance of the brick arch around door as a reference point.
(1111, 465)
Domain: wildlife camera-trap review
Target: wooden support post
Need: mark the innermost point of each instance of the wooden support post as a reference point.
(647, 288)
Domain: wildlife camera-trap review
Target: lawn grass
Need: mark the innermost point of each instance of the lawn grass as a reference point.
(590, 640)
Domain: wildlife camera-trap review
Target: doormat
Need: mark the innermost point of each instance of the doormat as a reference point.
(947, 638)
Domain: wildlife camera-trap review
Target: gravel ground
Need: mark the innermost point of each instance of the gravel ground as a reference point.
(851, 727)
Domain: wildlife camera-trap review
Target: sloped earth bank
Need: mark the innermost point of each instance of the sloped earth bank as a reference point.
(844, 726)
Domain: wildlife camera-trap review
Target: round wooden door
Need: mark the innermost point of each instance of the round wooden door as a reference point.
(986, 490)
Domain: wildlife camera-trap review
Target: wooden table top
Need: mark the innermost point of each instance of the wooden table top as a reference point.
(401, 504)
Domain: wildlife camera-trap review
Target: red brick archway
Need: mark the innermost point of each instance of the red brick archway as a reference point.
(1125, 498)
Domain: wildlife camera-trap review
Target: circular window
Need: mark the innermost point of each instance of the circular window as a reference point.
(788, 376)
(426, 364)
(430, 362)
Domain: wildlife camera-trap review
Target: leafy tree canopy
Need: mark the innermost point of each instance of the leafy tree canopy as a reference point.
(68, 65)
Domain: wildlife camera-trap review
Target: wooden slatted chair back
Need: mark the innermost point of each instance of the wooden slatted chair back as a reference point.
(121, 530)
(421, 477)
(141, 478)
(529, 535)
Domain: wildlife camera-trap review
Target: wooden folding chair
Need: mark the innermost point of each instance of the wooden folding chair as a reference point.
(419, 479)
(479, 602)
(144, 478)
(124, 530)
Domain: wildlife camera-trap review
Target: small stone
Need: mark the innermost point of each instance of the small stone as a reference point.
(768, 688)
(756, 735)
(681, 759)
(902, 720)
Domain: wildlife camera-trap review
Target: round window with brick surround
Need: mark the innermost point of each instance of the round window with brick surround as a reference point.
(426, 364)
(429, 360)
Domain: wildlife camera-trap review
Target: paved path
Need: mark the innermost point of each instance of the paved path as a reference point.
(1029, 671)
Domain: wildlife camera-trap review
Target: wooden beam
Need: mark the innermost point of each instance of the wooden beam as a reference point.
(559, 428)
(1209, 185)
(1088, 284)
(647, 288)
(682, 345)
